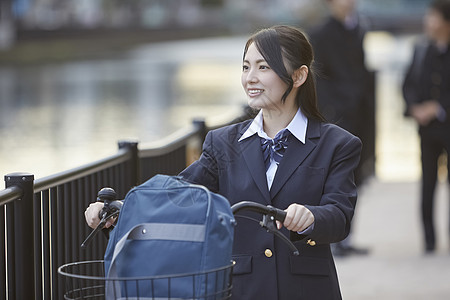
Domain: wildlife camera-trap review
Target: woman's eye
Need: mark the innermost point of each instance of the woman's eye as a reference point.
(245, 68)
(263, 67)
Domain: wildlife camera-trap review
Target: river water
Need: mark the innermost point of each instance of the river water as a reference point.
(57, 116)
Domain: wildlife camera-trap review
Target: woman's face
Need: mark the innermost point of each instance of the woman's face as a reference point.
(264, 88)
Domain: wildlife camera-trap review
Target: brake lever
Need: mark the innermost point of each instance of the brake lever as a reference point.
(99, 227)
(268, 223)
(111, 208)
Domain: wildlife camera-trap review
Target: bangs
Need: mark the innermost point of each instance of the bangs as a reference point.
(268, 44)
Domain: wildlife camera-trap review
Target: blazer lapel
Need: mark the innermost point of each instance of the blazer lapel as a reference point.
(251, 151)
(295, 154)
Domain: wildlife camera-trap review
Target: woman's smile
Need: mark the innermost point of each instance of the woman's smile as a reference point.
(254, 92)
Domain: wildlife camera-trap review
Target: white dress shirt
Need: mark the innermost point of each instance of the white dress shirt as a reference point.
(297, 127)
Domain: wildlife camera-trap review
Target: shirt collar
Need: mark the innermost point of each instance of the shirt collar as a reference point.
(297, 127)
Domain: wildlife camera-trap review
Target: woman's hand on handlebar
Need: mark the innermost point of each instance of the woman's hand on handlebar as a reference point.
(91, 215)
(298, 218)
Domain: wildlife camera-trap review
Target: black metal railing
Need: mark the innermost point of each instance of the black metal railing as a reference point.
(42, 221)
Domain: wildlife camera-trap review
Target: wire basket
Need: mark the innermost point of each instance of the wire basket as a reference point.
(86, 280)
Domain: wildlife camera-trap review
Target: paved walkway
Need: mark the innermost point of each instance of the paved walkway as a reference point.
(387, 221)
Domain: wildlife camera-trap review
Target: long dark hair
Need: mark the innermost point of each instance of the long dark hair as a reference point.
(285, 49)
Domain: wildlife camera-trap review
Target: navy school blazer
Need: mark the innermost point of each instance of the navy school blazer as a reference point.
(317, 174)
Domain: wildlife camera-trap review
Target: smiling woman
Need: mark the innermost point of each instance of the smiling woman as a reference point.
(288, 157)
(307, 169)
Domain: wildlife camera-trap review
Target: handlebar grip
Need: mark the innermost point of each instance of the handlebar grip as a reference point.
(270, 214)
(279, 215)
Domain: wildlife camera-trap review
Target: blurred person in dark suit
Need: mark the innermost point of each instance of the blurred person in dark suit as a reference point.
(426, 90)
(345, 87)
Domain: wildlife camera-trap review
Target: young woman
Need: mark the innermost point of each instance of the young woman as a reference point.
(309, 173)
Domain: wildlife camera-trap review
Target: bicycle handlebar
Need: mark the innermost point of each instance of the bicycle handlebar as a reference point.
(270, 214)
(278, 214)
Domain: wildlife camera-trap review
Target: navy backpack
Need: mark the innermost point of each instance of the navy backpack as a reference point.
(168, 230)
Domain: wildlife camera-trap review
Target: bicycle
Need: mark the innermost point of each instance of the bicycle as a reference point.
(87, 279)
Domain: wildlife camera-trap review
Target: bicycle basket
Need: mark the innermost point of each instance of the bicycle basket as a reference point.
(86, 280)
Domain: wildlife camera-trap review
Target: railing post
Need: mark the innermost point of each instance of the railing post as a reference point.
(135, 176)
(194, 145)
(200, 124)
(20, 237)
